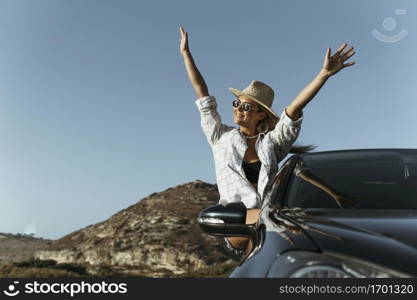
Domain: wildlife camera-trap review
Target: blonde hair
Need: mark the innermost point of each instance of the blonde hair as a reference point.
(269, 122)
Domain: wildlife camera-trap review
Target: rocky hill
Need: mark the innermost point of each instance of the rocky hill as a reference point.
(18, 247)
(158, 237)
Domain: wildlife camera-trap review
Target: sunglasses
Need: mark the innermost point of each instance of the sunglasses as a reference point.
(245, 105)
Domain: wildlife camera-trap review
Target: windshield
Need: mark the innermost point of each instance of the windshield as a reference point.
(372, 179)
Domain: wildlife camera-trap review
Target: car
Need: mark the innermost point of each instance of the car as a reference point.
(345, 213)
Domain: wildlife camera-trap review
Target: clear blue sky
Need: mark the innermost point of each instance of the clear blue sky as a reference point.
(96, 111)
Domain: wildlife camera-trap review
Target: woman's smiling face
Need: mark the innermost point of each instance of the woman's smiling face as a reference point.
(247, 118)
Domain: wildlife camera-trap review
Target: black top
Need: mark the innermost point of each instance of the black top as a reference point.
(252, 170)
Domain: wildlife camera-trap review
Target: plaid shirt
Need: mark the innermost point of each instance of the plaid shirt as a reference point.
(229, 147)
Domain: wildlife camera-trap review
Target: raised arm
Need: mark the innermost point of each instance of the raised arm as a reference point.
(341, 200)
(194, 75)
(332, 65)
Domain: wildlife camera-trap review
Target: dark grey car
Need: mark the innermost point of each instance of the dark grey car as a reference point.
(350, 213)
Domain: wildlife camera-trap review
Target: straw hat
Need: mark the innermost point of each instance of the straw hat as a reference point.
(260, 93)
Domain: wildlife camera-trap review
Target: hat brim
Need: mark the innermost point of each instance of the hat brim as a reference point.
(240, 93)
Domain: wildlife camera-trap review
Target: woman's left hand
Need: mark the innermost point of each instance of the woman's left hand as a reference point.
(333, 64)
(346, 202)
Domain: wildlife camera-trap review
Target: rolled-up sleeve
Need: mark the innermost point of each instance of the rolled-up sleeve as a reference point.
(285, 133)
(210, 119)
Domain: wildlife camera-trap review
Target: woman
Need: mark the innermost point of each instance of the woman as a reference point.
(246, 159)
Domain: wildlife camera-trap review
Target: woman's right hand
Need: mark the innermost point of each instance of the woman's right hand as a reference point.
(194, 75)
(184, 41)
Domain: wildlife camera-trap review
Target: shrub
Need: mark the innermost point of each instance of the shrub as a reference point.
(42, 268)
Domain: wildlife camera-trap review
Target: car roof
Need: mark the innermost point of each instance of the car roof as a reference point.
(350, 151)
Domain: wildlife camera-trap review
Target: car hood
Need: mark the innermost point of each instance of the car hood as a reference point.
(385, 237)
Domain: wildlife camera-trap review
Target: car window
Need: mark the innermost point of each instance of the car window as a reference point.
(355, 179)
(279, 182)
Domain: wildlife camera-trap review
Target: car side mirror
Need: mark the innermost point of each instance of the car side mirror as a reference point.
(229, 220)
